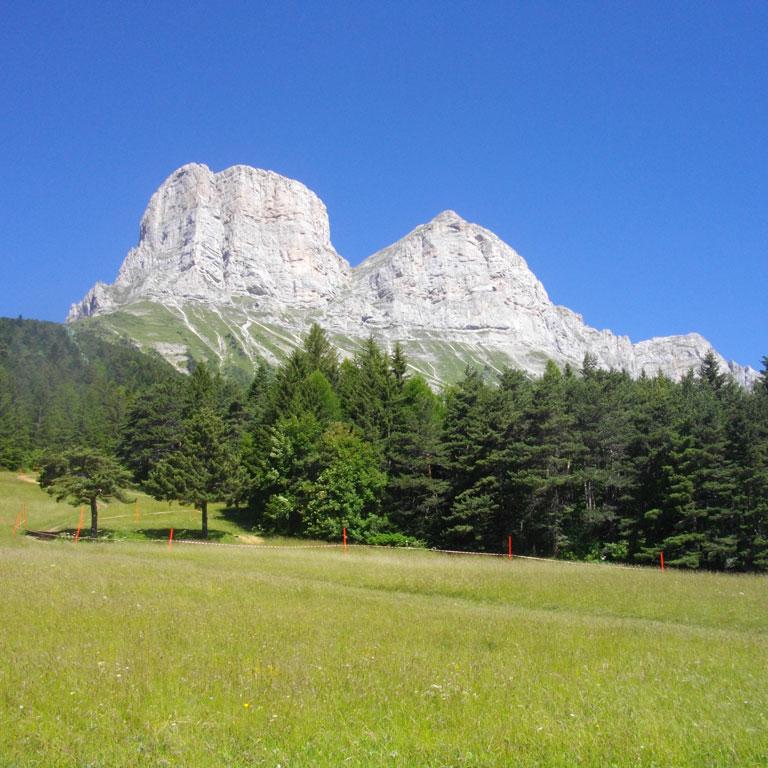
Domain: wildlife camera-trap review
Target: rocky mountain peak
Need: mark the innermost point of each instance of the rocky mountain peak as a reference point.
(449, 217)
(214, 236)
(447, 273)
(253, 249)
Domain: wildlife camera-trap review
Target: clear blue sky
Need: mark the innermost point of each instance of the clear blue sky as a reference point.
(621, 148)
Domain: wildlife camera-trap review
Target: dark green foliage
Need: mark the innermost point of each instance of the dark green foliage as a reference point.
(416, 485)
(202, 469)
(152, 427)
(59, 388)
(580, 463)
(470, 504)
(368, 387)
(763, 383)
(316, 354)
(84, 476)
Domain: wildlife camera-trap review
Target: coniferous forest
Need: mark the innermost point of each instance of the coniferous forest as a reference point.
(579, 464)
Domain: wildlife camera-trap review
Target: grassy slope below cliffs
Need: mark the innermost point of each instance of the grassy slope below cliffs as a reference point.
(131, 654)
(236, 338)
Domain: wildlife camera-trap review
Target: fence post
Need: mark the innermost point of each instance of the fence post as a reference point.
(79, 524)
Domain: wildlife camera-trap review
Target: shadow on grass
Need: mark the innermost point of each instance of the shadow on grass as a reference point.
(104, 534)
(242, 518)
(181, 533)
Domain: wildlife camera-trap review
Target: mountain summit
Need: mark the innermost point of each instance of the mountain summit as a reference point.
(210, 237)
(235, 265)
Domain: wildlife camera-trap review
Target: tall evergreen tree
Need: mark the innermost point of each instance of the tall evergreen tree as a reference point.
(471, 504)
(152, 428)
(416, 478)
(554, 450)
(204, 467)
(368, 388)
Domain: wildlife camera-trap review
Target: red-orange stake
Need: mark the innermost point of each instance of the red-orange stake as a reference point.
(509, 548)
(661, 560)
(170, 539)
(344, 536)
(79, 525)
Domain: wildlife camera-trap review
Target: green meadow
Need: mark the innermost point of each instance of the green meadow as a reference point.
(124, 652)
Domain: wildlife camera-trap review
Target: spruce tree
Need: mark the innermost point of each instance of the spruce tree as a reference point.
(368, 388)
(416, 484)
(152, 428)
(554, 449)
(204, 467)
(471, 504)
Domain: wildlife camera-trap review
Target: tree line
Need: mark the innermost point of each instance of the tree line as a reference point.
(578, 463)
(59, 388)
(583, 464)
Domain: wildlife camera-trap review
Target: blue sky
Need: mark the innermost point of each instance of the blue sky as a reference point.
(621, 148)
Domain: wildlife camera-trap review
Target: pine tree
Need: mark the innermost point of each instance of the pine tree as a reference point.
(600, 404)
(648, 512)
(203, 469)
(709, 372)
(415, 488)
(368, 388)
(554, 450)
(316, 354)
(471, 504)
(83, 476)
(152, 427)
(763, 382)
(399, 365)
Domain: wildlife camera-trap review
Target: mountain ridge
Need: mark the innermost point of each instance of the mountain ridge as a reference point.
(255, 246)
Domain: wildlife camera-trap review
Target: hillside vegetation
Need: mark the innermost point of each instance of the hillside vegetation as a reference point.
(59, 388)
(586, 464)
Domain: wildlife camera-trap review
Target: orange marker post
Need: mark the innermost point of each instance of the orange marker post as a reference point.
(79, 524)
(136, 512)
(661, 560)
(25, 508)
(17, 523)
(344, 537)
(509, 548)
(170, 539)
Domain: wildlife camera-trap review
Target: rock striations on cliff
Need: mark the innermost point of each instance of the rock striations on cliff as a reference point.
(252, 250)
(212, 236)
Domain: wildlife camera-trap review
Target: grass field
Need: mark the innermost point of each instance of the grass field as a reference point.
(131, 654)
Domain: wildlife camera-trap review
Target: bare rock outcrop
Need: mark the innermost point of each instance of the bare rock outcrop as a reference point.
(213, 236)
(261, 241)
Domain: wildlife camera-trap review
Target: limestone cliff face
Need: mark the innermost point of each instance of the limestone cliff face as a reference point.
(461, 279)
(213, 236)
(445, 274)
(257, 240)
